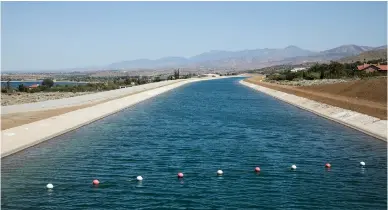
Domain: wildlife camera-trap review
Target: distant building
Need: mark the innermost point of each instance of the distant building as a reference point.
(298, 69)
(372, 68)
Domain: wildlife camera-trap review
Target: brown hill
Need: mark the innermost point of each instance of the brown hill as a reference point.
(368, 55)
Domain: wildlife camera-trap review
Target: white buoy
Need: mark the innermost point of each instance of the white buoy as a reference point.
(139, 178)
(362, 163)
(50, 186)
(220, 172)
(293, 167)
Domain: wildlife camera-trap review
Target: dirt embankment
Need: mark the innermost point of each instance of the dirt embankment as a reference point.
(23, 98)
(367, 96)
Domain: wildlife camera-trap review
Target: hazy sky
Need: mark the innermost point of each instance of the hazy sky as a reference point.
(55, 35)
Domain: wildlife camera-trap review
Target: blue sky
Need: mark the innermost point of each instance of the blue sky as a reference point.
(55, 35)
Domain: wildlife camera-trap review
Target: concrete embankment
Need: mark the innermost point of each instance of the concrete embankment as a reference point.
(81, 100)
(21, 137)
(364, 123)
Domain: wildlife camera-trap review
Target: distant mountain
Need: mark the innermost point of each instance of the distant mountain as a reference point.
(331, 54)
(375, 54)
(216, 59)
(146, 63)
(348, 50)
(221, 60)
(381, 47)
(212, 55)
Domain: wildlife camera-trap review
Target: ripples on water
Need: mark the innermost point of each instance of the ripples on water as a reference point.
(198, 129)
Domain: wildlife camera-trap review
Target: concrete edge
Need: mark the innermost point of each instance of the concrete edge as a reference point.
(366, 123)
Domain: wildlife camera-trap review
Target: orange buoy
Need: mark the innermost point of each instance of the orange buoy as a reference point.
(257, 169)
(328, 165)
(180, 175)
(96, 182)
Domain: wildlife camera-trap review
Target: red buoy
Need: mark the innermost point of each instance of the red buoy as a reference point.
(180, 175)
(96, 182)
(328, 165)
(257, 169)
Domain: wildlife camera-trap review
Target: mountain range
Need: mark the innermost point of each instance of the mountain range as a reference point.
(244, 59)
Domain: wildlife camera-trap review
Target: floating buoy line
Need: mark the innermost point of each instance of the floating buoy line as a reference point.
(180, 175)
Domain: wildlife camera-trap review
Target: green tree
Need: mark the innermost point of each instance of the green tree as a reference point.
(127, 81)
(48, 82)
(8, 85)
(157, 79)
(176, 74)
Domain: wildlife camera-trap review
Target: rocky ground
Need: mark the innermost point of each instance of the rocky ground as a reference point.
(22, 98)
(310, 82)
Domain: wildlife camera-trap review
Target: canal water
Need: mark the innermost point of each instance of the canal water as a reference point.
(197, 129)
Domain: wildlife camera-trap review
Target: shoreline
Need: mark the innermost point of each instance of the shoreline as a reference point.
(14, 139)
(367, 124)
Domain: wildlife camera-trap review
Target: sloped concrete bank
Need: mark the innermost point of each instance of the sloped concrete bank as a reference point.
(21, 137)
(81, 100)
(364, 123)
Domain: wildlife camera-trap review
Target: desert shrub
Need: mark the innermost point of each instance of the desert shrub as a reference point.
(312, 75)
(48, 82)
(22, 88)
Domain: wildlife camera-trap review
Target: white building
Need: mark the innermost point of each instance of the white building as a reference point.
(298, 69)
(210, 75)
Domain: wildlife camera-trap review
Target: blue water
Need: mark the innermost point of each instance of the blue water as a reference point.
(197, 129)
(15, 84)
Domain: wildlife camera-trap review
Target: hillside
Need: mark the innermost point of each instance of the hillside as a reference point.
(244, 59)
(217, 59)
(368, 55)
(224, 61)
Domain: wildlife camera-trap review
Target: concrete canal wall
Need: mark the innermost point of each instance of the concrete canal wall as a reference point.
(364, 123)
